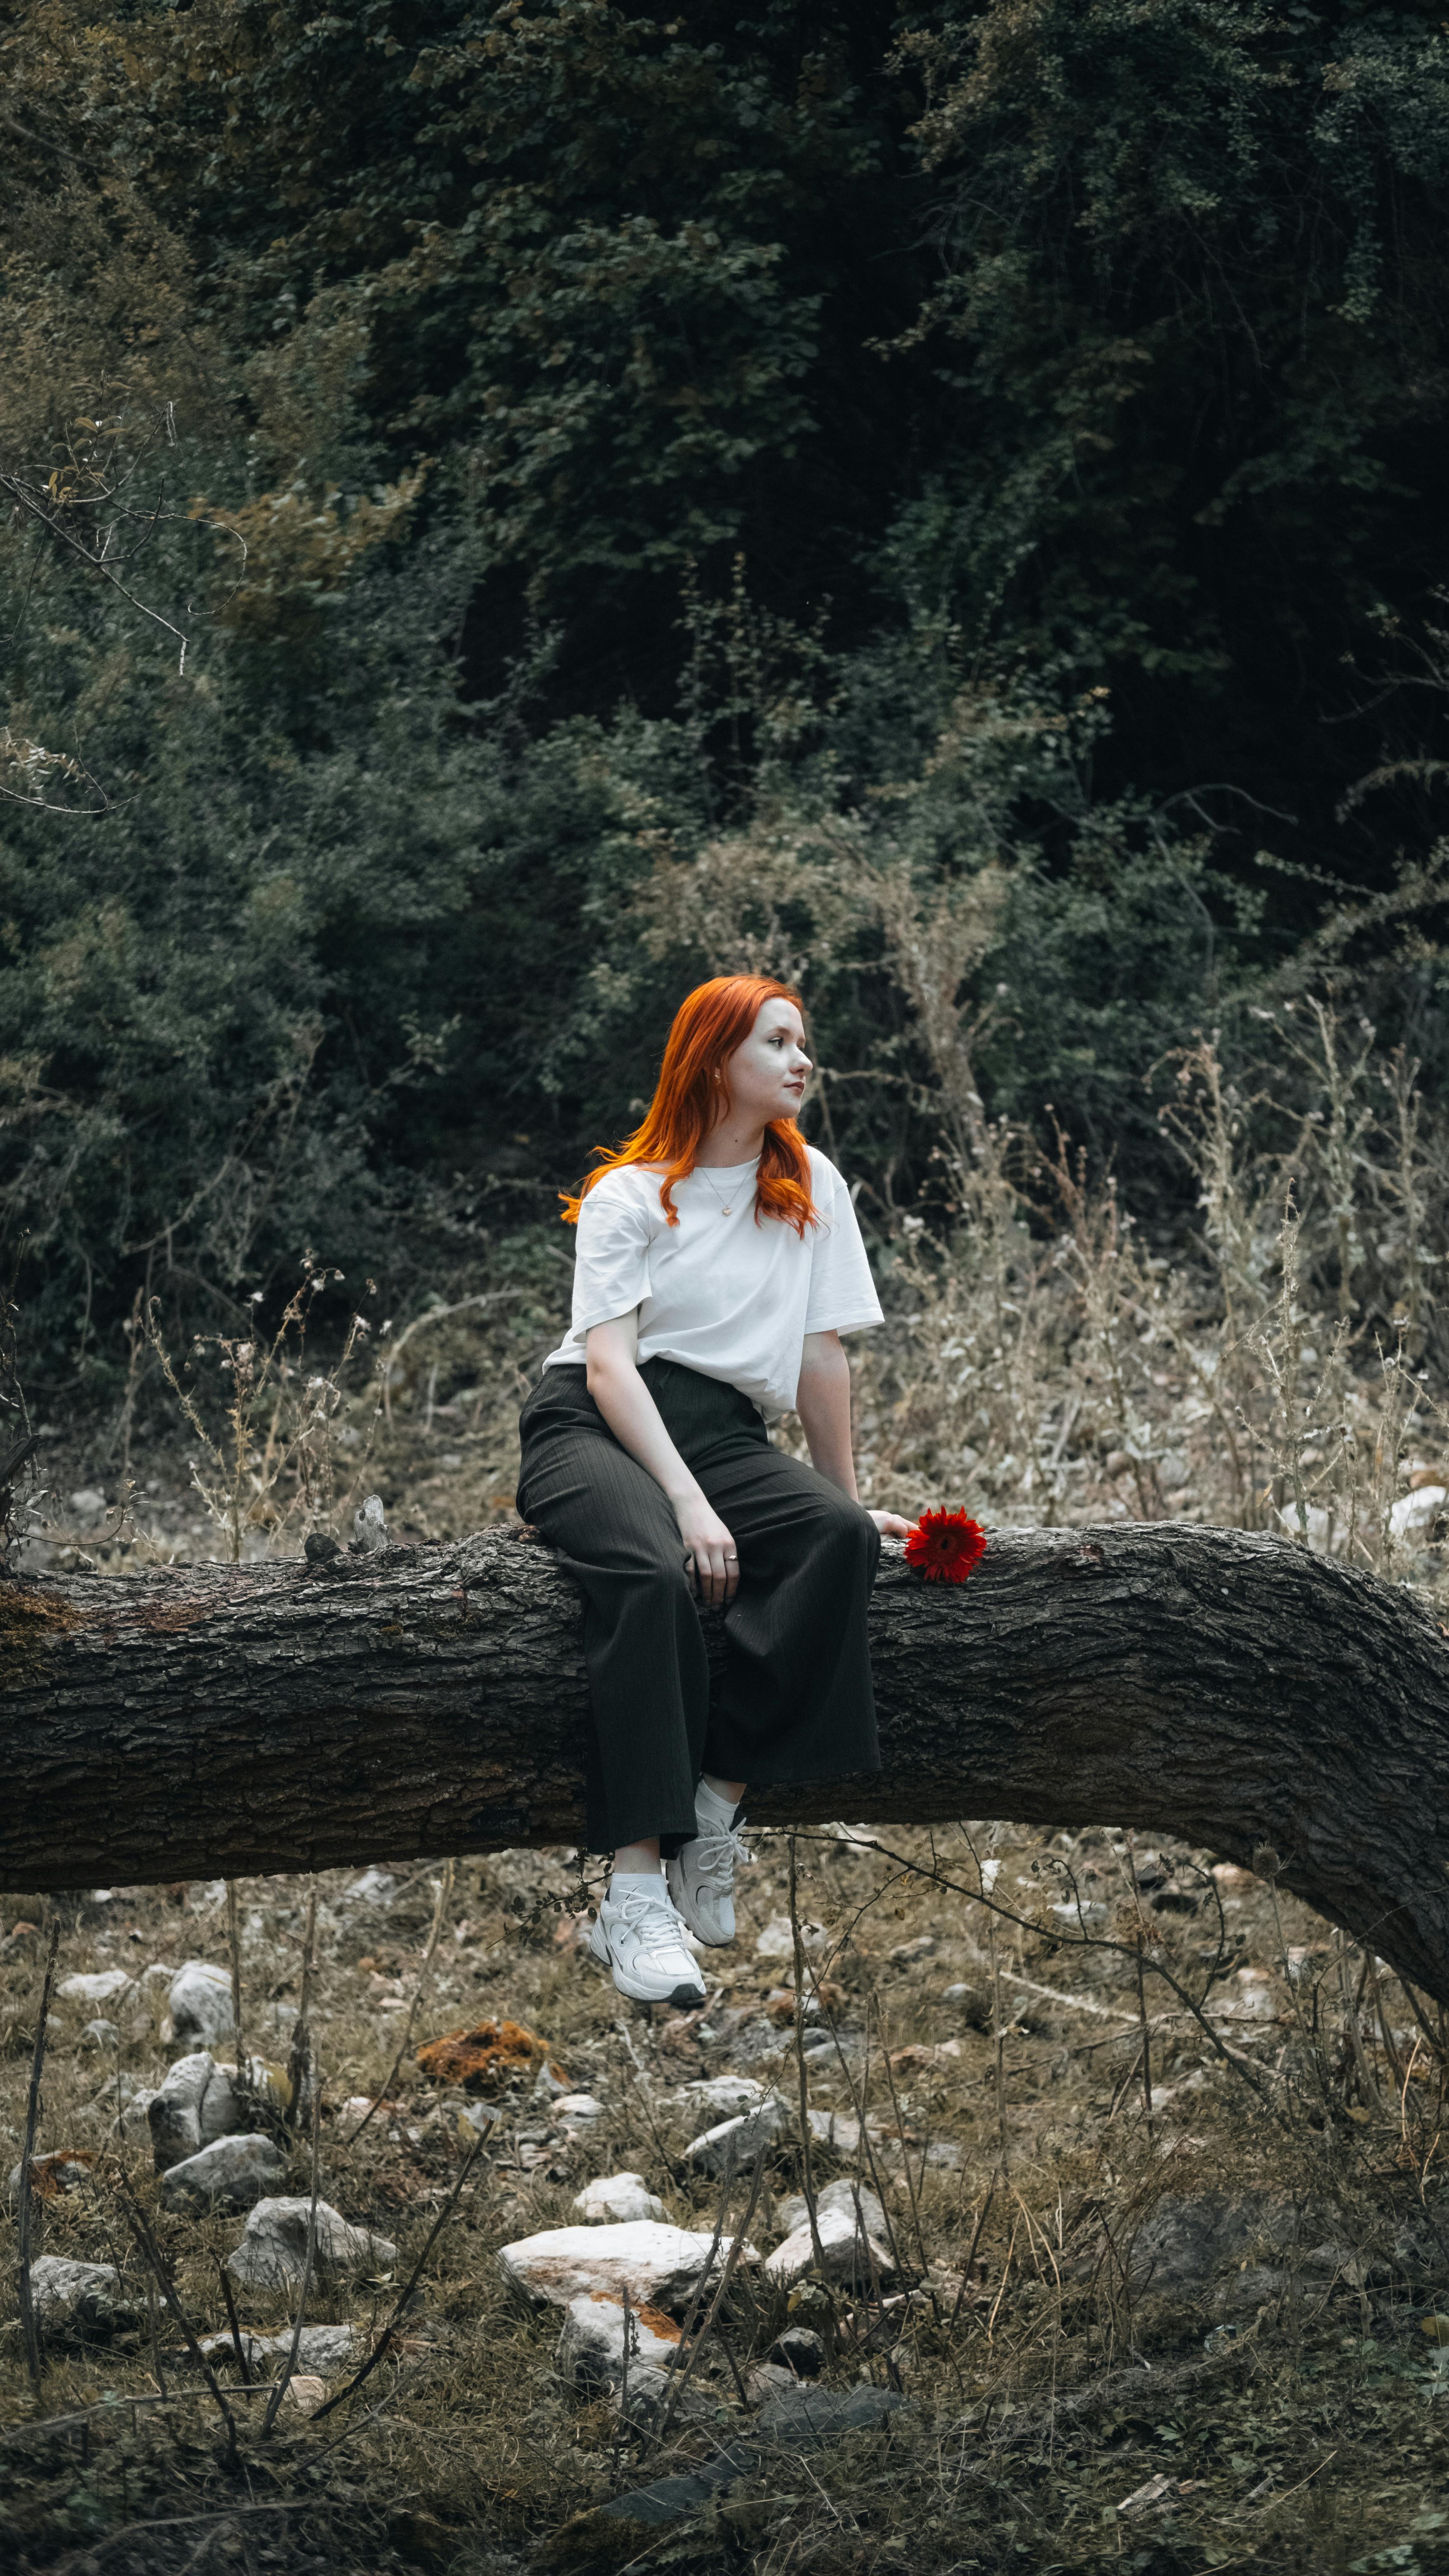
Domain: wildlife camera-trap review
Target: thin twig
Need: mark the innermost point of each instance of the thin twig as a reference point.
(385, 2338)
(233, 1943)
(692, 2311)
(998, 2032)
(901, 2134)
(807, 2175)
(971, 2256)
(107, 2406)
(242, 2363)
(95, 2548)
(858, 2104)
(445, 1890)
(1434, 2037)
(299, 2063)
(285, 2377)
(680, 2379)
(28, 2325)
(1373, 2099)
(151, 2252)
(936, 1877)
(645, 2095)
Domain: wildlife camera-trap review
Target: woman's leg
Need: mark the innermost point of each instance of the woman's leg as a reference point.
(615, 1534)
(797, 1701)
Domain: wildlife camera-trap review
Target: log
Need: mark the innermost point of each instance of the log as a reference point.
(1233, 1690)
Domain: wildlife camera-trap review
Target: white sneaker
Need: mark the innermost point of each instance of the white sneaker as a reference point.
(641, 1939)
(701, 1880)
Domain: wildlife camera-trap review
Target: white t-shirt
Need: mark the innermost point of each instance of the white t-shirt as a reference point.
(717, 1292)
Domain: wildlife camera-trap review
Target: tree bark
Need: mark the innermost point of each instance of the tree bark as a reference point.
(1232, 1690)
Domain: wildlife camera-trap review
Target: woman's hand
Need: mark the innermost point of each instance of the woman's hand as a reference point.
(891, 1525)
(710, 1552)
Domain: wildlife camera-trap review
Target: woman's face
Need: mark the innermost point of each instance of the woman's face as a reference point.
(766, 1076)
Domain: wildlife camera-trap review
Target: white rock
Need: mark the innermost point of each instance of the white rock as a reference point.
(850, 2256)
(577, 2106)
(87, 1502)
(239, 2170)
(792, 2213)
(620, 2196)
(1252, 2001)
(98, 1989)
(1317, 1526)
(99, 2034)
(723, 2094)
(591, 2346)
(742, 2139)
(777, 1941)
(81, 2294)
(133, 2122)
(369, 1527)
(375, 1887)
(273, 2252)
(657, 2264)
(1414, 1515)
(837, 2129)
(118, 2087)
(200, 2005)
(653, 2393)
(324, 2349)
(198, 2101)
(770, 2379)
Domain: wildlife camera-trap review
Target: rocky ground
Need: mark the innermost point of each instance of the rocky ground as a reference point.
(922, 2266)
(1043, 2326)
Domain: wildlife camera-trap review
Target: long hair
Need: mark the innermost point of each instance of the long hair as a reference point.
(708, 1026)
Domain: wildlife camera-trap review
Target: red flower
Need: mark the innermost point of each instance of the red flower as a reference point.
(946, 1546)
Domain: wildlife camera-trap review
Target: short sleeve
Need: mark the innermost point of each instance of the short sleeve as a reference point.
(611, 1256)
(842, 1292)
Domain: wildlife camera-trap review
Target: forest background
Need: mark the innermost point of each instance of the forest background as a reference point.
(509, 511)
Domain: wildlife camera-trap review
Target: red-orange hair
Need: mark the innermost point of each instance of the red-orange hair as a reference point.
(708, 1026)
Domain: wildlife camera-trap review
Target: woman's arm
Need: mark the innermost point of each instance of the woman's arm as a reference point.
(823, 1404)
(822, 1401)
(632, 1415)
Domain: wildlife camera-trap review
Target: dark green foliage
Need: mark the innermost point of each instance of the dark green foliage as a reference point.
(639, 495)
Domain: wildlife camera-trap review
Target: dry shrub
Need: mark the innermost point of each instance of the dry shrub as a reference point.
(1044, 1363)
(482, 2059)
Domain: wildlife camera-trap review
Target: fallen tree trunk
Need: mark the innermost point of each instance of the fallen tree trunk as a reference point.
(1233, 1690)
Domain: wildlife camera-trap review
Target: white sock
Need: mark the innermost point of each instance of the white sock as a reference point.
(711, 1808)
(621, 1880)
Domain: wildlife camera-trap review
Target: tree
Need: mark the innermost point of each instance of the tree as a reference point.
(1231, 1689)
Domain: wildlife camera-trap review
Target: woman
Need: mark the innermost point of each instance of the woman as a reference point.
(719, 1261)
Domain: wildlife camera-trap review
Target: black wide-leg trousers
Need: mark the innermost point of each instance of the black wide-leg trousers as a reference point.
(795, 1702)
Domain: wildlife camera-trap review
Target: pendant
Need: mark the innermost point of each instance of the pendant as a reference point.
(724, 1211)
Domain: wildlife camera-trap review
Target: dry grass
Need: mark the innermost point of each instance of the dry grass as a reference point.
(1284, 2408)
(1294, 2406)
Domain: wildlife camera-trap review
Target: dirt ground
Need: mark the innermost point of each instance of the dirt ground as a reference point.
(1166, 2283)
(1087, 2381)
